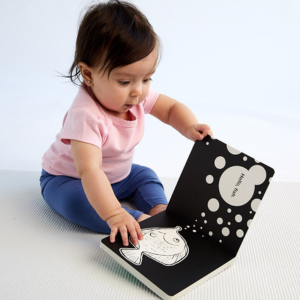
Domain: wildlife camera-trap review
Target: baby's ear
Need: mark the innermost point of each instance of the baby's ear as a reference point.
(86, 72)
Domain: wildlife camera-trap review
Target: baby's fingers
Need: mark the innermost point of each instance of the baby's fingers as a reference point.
(124, 235)
(113, 234)
(196, 135)
(139, 231)
(206, 131)
(132, 231)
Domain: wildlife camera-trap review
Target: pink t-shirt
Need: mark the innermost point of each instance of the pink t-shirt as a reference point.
(88, 122)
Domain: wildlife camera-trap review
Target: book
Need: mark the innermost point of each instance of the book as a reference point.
(204, 225)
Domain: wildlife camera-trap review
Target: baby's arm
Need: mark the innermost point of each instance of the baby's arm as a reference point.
(88, 162)
(180, 117)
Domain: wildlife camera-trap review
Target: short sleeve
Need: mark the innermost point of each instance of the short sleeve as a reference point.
(150, 100)
(82, 125)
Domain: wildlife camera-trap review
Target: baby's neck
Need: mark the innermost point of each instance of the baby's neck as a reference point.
(128, 116)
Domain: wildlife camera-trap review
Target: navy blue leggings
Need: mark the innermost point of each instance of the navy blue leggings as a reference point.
(66, 196)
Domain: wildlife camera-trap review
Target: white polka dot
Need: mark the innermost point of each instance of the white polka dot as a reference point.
(229, 223)
(249, 222)
(256, 161)
(220, 241)
(229, 210)
(238, 218)
(194, 231)
(213, 204)
(207, 143)
(245, 158)
(209, 179)
(240, 233)
(258, 174)
(201, 227)
(255, 204)
(210, 233)
(188, 226)
(203, 214)
(196, 220)
(225, 231)
(220, 221)
(270, 179)
(232, 150)
(220, 162)
(259, 192)
(194, 225)
(205, 221)
(250, 212)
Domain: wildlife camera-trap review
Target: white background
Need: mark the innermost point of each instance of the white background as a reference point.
(234, 63)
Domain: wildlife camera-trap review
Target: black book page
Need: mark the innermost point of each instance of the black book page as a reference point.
(171, 273)
(219, 191)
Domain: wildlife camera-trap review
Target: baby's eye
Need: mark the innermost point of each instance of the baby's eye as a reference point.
(146, 80)
(124, 82)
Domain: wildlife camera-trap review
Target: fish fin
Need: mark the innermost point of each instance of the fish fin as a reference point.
(169, 260)
(166, 260)
(133, 255)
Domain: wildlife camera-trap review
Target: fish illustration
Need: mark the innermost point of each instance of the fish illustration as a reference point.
(164, 245)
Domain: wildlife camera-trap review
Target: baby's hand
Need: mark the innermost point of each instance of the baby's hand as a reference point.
(122, 222)
(198, 132)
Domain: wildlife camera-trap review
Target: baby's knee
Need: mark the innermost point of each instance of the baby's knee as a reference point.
(148, 174)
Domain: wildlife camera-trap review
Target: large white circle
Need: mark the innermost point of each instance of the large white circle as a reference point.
(213, 204)
(236, 186)
(220, 162)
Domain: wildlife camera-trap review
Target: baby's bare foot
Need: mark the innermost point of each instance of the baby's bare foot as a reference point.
(157, 209)
(143, 217)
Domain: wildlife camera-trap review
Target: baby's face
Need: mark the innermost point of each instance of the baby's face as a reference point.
(126, 86)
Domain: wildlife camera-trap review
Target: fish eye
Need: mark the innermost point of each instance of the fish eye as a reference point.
(176, 240)
(153, 234)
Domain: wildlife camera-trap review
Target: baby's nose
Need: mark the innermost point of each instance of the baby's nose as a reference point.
(137, 89)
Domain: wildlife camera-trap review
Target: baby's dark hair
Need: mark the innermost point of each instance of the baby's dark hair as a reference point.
(112, 35)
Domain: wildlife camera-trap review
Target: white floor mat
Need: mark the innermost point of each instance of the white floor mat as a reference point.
(44, 256)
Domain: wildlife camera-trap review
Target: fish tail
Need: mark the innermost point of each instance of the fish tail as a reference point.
(133, 255)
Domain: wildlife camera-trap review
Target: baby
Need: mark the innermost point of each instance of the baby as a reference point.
(89, 168)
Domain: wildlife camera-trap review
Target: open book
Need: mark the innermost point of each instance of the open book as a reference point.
(206, 221)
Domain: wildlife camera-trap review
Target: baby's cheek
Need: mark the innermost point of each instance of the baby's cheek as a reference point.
(144, 94)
